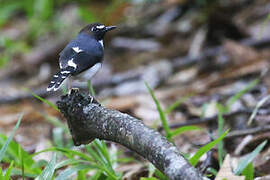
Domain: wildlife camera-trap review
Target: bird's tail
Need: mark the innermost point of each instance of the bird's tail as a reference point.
(58, 79)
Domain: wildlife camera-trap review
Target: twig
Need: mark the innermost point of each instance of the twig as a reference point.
(244, 132)
(87, 120)
(228, 116)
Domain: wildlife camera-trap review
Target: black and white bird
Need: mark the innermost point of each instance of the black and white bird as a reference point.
(82, 57)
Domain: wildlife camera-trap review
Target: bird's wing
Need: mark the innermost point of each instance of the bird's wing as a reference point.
(78, 59)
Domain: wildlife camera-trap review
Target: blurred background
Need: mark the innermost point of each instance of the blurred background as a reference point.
(203, 59)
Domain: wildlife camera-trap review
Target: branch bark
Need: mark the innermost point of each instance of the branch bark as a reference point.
(88, 120)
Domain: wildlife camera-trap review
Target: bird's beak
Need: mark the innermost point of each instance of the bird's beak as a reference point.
(109, 28)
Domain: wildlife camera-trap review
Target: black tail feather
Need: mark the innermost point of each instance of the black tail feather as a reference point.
(58, 79)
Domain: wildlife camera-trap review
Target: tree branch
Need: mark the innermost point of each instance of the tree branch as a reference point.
(87, 120)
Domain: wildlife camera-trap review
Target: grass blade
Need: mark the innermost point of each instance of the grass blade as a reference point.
(56, 122)
(103, 153)
(22, 161)
(220, 131)
(184, 129)
(68, 162)
(161, 113)
(45, 101)
(238, 95)
(4, 148)
(70, 171)
(13, 153)
(177, 103)
(194, 159)
(267, 19)
(248, 159)
(248, 172)
(8, 171)
(48, 172)
(255, 111)
(66, 151)
(1, 173)
(160, 175)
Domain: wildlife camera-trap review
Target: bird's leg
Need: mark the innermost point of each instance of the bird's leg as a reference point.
(69, 84)
(91, 90)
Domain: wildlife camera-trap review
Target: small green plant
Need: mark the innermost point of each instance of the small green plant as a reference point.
(48, 172)
(7, 174)
(20, 161)
(223, 109)
(248, 172)
(255, 111)
(7, 142)
(97, 158)
(196, 157)
(245, 162)
(168, 132)
(267, 19)
(45, 101)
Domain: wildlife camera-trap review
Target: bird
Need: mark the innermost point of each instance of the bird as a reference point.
(82, 57)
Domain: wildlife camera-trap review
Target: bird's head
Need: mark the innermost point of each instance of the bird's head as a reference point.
(97, 30)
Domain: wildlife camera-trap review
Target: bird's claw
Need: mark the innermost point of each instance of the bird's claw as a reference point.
(92, 99)
(72, 90)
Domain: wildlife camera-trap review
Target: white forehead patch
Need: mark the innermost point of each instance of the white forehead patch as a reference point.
(77, 49)
(100, 26)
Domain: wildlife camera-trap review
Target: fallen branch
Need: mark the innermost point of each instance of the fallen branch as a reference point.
(88, 120)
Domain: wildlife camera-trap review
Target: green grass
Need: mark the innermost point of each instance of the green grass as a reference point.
(244, 162)
(4, 149)
(221, 153)
(255, 111)
(162, 114)
(48, 172)
(223, 109)
(267, 19)
(45, 101)
(96, 158)
(238, 95)
(195, 158)
(7, 142)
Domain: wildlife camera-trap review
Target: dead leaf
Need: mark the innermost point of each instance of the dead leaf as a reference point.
(225, 171)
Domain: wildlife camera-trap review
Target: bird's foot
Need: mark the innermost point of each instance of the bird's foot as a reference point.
(93, 100)
(72, 90)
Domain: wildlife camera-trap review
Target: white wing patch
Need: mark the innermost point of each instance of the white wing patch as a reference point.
(100, 26)
(49, 89)
(77, 49)
(101, 43)
(71, 63)
(65, 72)
(61, 66)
